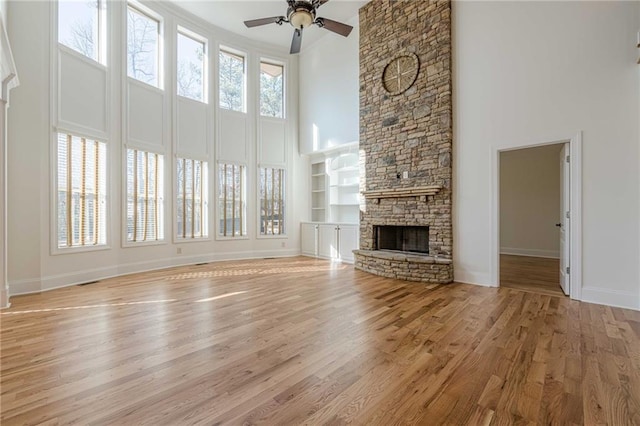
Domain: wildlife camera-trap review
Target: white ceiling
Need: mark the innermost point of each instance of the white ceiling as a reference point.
(230, 15)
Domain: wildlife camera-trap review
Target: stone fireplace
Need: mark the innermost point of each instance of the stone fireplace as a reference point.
(405, 143)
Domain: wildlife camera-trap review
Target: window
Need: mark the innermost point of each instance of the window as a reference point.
(143, 47)
(193, 201)
(81, 196)
(145, 196)
(271, 90)
(232, 81)
(191, 68)
(271, 185)
(231, 200)
(81, 26)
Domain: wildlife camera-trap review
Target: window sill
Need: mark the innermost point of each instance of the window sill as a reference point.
(56, 251)
(223, 238)
(179, 240)
(133, 244)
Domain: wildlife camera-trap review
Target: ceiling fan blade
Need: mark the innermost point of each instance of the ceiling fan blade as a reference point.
(318, 3)
(264, 21)
(296, 42)
(336, 27)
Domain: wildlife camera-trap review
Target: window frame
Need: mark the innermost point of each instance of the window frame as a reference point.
(186, 32)
(126, 243)
(176, 239)
(218, 235)
(55, 250)
(269, 61)
(285, 194)
(102, 56)
(151, 14)
(245, 81)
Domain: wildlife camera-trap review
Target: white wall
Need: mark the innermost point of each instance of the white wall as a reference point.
(329, 91)
(532, 72)
(530, 201)
(33, 119)
(3, 11)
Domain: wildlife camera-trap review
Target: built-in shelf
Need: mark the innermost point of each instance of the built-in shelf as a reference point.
(346, 185)
(335, 185)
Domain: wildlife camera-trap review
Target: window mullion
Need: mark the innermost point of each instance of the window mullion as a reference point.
(155, 198)
(69, 191)
(96, 191)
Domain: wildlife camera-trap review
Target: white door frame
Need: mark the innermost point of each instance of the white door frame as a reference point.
(575, 224)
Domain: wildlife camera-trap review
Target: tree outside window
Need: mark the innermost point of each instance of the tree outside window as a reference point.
(143, 47)
(231, 81)
(271, 90)
(79, 27)
(190, 71)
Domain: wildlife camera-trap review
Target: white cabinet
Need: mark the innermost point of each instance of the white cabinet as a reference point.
(330, 240)
(348, 241)
(309, 239)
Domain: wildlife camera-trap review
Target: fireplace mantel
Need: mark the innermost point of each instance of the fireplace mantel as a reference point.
(418, 191)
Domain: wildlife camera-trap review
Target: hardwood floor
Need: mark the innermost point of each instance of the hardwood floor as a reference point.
(533, 274)
(305, 341)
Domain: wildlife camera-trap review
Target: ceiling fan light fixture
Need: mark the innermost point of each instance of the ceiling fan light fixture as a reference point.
(301, 18)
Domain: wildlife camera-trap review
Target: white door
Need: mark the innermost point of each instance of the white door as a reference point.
(328, 240)
(565, 185)
(348, 242)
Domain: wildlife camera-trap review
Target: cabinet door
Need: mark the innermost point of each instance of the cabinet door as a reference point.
(309, 239)
(328, 241)
(349, 240)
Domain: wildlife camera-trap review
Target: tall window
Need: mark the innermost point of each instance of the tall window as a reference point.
(271, 90)
(143, 47)
(272, 201)
(193, 200)
(191, 68)
(81, 196)
(145, 196)
(231, 200)
(232, 81)
(82, 27)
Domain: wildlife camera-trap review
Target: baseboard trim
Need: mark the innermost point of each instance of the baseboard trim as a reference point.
(52, 282)
(619, 299)
(4, 299)
(469, 277)
(550, 254)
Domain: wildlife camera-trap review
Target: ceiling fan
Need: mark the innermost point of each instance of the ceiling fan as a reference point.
(301, 14)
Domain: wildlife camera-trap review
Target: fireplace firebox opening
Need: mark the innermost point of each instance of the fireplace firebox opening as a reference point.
(412, 239)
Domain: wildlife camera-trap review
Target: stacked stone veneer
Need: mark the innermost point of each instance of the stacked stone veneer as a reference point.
(410, 132)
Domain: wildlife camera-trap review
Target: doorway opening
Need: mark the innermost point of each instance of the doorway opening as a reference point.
(534, 219)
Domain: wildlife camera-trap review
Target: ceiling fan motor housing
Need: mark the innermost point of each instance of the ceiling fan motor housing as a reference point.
(302, 14)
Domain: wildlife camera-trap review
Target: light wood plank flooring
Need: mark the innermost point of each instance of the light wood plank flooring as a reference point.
(300, 340)
(533, 274)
